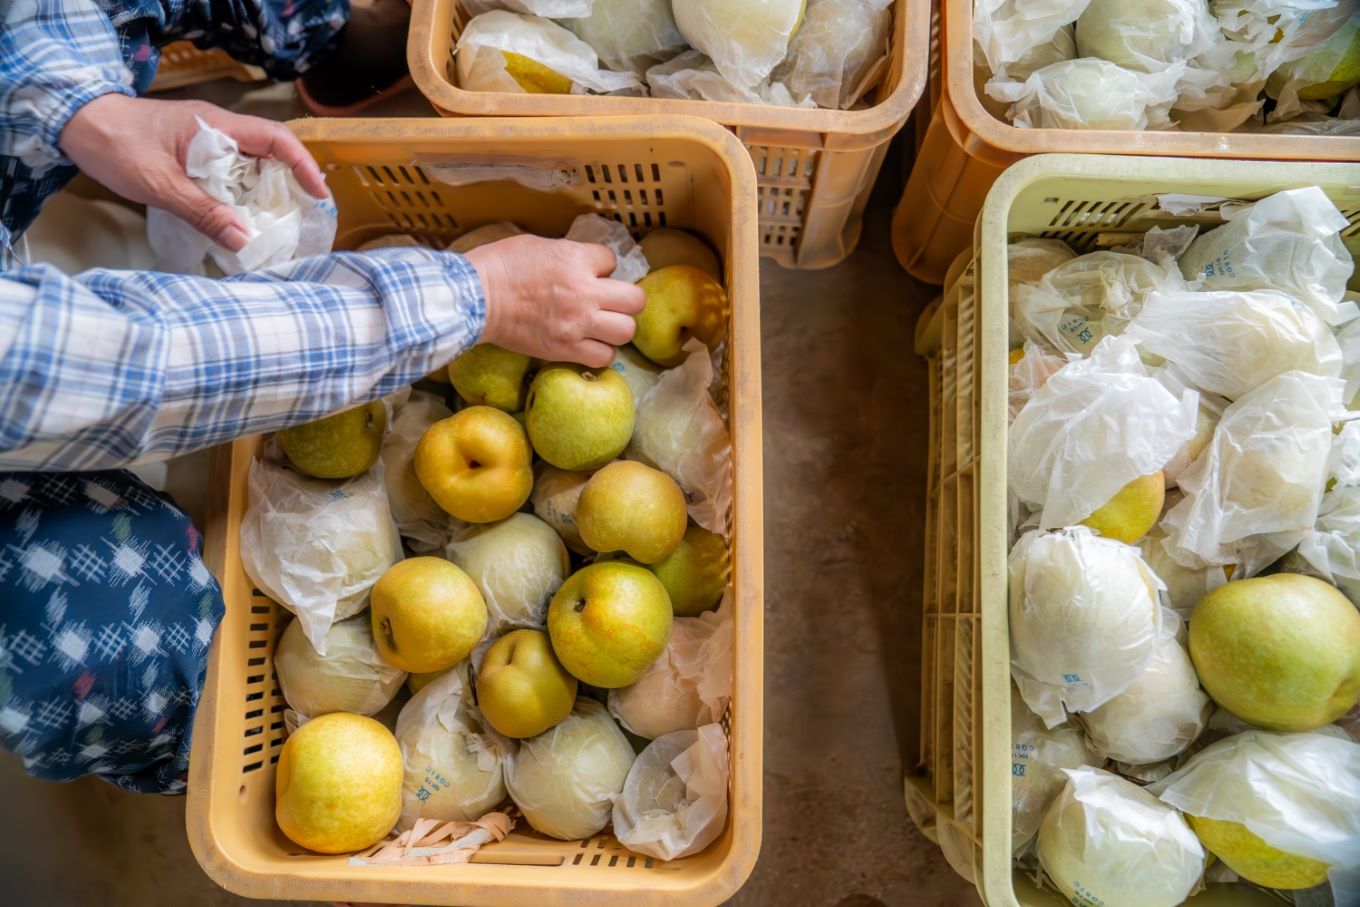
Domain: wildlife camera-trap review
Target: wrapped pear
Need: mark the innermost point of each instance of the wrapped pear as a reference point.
(1146, 35)
(693, 76)
(1089, 93)
(555, 495)
(1027, 261)
(454, 762)
(422, 522)
(745, 39)
(836, 50)
(350, 677)
(630, 34)
(505, 51)
(1038, 756)
(1028, 372)
(565, 780)
(1185, 584)
(674, 802)
(517, 565)
(484, 235)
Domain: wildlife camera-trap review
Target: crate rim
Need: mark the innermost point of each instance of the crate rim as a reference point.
(1005, 139)
(223, 546)
(884, 118)
(991, 236)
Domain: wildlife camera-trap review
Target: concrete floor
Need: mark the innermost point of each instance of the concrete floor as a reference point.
(845, 436)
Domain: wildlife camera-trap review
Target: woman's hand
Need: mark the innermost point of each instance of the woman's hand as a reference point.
(136, 147)
(553, 299)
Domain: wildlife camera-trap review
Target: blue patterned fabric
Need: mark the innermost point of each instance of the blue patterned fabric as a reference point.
(107, 614)
(58, 55)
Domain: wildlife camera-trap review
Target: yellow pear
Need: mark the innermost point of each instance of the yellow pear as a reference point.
(633, 508)
(695, 573)
(1133, 510)
(417, 682)
(427, 615)
(609, 622)
(476, 464)
(1255, 860)
(338, 784)
(492, 376)
(533, 76)
(522, 689)
(682, 302)
(579, 418)
(339, 446)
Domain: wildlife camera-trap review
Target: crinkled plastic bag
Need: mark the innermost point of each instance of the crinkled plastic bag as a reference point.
(1089, 93)
(1084, 617)
(1298, 792)
(1038, 756)
(1034, 367)
(689, 685)
(1210, 410)
(674, 802)
(836, 51)
(1254, 492)
(1265, 34)
(592, 228)
(1146, 35)
(1096, 425)
(746, 40)
(1105, 840)
(1027, 261)
(1230, 342)
(680, 431)
(1089, 297)
(517, 564)
(630, 34)
(282, 221)
(1006, 30)
(422, 523)
(1289, 241)
(1325, 71)
(692, 76)
(316, 547)
(1331, 549)
(1185, 585)
(482, 64)
(455, 764)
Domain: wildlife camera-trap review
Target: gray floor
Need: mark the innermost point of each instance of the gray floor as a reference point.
(845, 428)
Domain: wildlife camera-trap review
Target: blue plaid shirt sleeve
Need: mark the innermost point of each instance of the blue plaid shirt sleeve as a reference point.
(109, 368)
(55, 57)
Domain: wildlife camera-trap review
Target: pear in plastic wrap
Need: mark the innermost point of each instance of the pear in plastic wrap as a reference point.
(350, 677)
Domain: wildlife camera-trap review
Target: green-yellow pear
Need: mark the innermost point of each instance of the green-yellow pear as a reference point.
(1281, 652)
(579, 418)
(609, 622)
(1255, 860)
(339, 446)
(338, 784)
(682, 302)
(491, 376)
(633, 508)
(695, 573)
(417, 682)
(666, 247)
(427, 615)
(476, 464)
(522, 689)
(1132, 512)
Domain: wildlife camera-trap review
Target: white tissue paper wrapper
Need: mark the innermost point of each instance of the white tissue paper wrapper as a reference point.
(1035, 367)
(1145, 35)
(1105, 840)
(689, 685)
(1230, 342)
(1331, 550)
(692, 76)
(422, 523)
(630, 34)
(455, 764)
(1038, 756)
(1095, 425)
(1006, 30)
(1093, 296)
(283, 222)
(1089, 93)
(835, 52)
(1254, 492)
(680, 431)
(517, 564)
(1298, 792)
(480, 55)
(592, 228)
(350, 677)
(316, 547)
(744, 40)
(1289, 241)
(674, 802)
(1185, 585)
(1084, 616)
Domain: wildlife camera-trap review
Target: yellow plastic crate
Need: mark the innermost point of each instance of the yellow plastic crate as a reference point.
(182, 64)
(682, 173)
(959, 793)
(814, 167)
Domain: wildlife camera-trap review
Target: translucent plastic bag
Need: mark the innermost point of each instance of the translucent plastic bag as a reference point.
(1146, 35)
(1004, 31)
(422, 523)
(693, 76)
(745, 41)
(689, 685)
(836, 51)
(1089, 93)
(1027, 261)
(1331, 550)
(1089, 297)
(1231, 342)
(674, 802)
(350, 677)
(1028, 374)
(1289, 241)
(1085, 619)
(282, 220)
(1038, 756)
(1299, 793)
(517, 564)
(631, 265)
(455, 765)
(630, 34)
(317, 547)
(558, 62)
(1107, 841)
(1095, 425)
(1254, 492)
(680, 431)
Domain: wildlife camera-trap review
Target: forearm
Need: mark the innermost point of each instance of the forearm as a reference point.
(112, 367)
